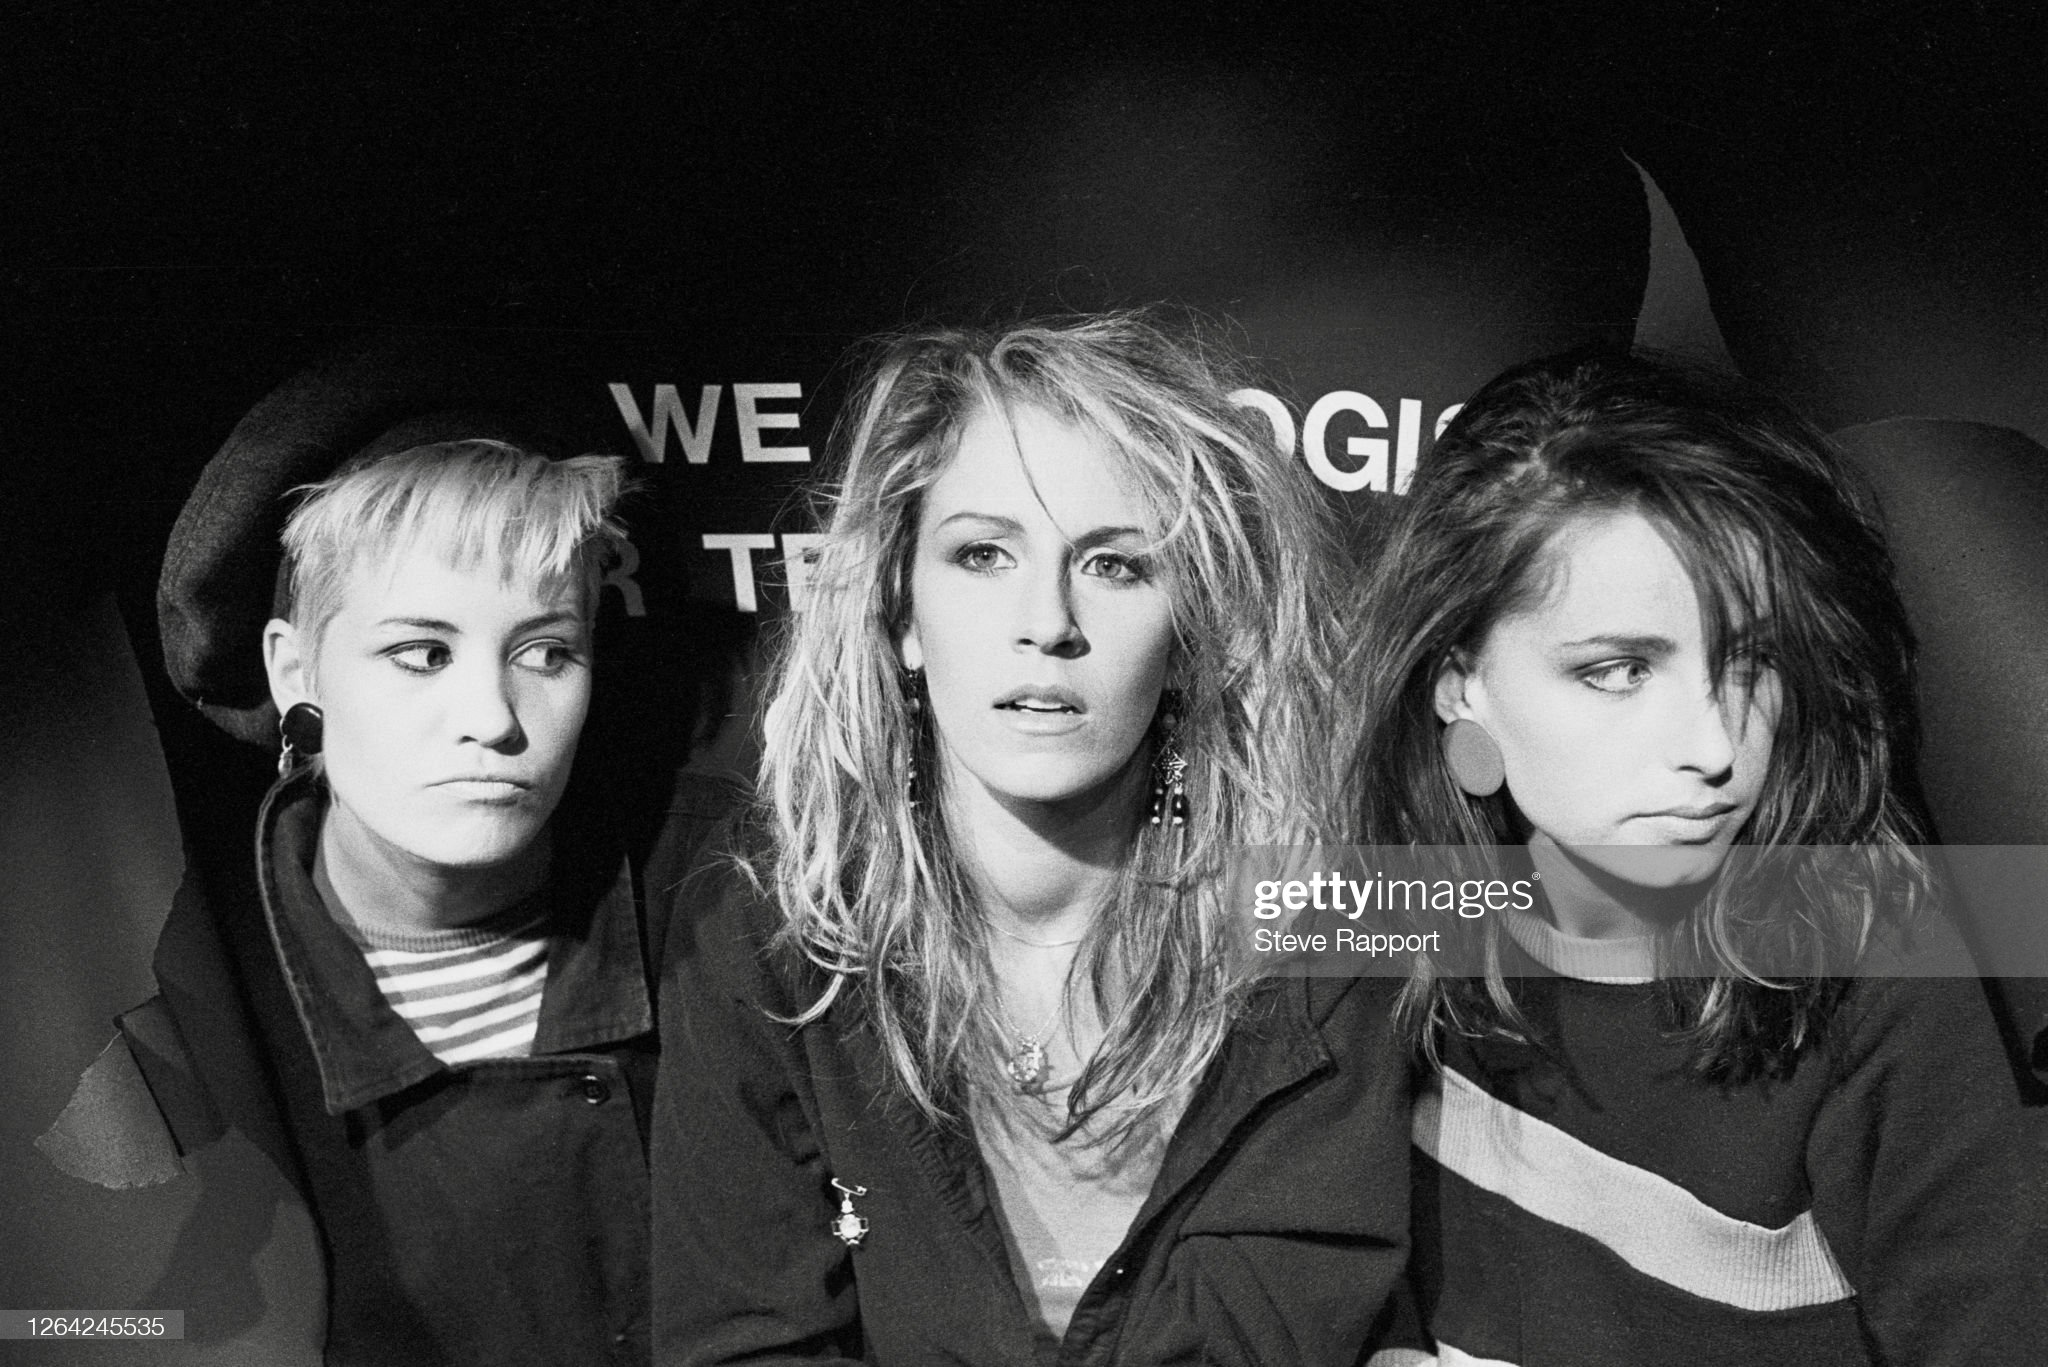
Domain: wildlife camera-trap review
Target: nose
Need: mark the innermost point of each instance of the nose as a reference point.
(1046, 619)
(485, 707)
(1709, 731)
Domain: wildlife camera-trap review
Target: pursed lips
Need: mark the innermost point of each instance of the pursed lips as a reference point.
(1700, 824)
(1705, 811)
(486, 787)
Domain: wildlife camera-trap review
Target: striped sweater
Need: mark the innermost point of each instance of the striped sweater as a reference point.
(1590, 1202)
(468, 994)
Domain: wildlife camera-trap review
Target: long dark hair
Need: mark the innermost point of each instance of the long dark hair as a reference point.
(1788, 559)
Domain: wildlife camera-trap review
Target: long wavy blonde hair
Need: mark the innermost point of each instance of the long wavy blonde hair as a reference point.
(873, 890)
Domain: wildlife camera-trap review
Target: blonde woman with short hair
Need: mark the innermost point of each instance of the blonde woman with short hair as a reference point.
(425, 1000)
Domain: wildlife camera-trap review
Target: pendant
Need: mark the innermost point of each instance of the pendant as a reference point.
(848, 1226)
(1027, 1066)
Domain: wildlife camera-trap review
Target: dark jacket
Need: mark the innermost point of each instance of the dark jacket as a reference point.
(494, 1212)
(1276, 1225)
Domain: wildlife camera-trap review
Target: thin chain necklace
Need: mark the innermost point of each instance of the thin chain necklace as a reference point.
(1026, 1066)
(1035, 944)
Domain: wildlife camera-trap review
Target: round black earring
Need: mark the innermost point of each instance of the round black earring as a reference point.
(301, 730)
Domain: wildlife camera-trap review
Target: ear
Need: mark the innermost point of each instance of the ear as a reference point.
(910, 648)
(1178, 667)
(1455, 682)
(288, 664)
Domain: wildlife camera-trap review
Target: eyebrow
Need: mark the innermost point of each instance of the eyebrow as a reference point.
(544, 619)
(1097, 536)
(1103, 536)
(1635, 645)
(421, 624)
(1008, 524)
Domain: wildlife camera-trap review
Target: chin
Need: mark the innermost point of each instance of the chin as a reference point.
(1051, 786)
(1657, 866)
(476, 844)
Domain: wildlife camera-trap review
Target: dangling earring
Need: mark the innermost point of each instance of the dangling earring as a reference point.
(1474, 758)
(1169, 766)
(300, 733)
(912, 683)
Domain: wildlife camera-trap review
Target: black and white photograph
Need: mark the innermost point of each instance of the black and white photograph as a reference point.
(1355, 684)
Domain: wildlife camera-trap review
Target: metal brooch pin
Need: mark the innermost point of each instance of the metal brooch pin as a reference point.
(848, 1226)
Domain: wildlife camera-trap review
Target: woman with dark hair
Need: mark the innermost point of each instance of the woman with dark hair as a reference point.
(1637, 627)
(971, 1065)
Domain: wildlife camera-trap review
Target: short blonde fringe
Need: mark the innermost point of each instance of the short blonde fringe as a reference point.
(472, 501)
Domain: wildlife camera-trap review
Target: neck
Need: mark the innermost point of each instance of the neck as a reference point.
(1588, 903)
(1044, 871)
(1045, 868)
(377, 886)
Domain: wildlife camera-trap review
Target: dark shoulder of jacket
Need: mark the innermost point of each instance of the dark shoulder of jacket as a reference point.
(701, 825)
(1363, 1001)
(1349, 1014)
(719, 926)
(1355, 1018)
(704, 817)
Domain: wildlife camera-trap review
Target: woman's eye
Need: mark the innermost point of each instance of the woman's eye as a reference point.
(1745, 672)
(982, 557)
(1751, 681)
(420, 657)
(1617, 676)
(547, 657)
(1115, 567)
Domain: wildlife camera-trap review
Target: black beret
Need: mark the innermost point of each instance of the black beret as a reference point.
(220, 574)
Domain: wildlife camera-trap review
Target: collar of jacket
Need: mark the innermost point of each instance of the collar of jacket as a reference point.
(596, 990)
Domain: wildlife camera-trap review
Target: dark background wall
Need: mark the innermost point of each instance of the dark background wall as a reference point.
(1391, 201)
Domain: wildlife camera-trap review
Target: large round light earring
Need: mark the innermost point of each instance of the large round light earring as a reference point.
(1474, 758)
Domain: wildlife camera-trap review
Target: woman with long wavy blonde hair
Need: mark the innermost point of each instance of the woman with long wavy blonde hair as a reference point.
(968, 1062)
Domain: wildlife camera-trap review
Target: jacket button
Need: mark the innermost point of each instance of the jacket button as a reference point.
(595, 1089)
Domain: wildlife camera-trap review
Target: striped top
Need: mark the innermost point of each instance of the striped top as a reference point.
(468, 994)
(1590, 1201)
